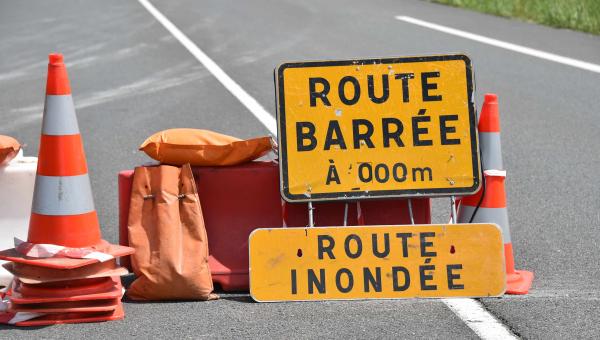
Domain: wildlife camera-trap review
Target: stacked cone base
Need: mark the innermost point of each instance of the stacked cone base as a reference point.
(21, 293)
(55, 319)
(63, 262)
(35, 275)
(108, 305)
(74, 301)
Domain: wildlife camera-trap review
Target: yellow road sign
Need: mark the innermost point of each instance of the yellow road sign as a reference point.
(397, 127)
(333, 263)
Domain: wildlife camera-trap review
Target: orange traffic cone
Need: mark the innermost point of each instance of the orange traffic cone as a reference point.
(492, 206)
(62, 212)
(63, 209)
(64, 269)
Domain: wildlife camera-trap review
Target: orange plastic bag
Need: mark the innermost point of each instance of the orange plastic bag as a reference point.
(203, 148)
(166, 228)
(9, 147)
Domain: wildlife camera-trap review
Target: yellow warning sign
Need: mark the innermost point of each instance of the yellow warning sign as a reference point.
(397, 127)
(297, 264)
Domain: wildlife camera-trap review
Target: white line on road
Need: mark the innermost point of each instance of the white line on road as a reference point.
(478, 319)
(506, 45)
(249, 102)
(470, 311)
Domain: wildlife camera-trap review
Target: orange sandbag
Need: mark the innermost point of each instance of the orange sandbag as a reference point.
(9, 148)
(203, 148)
(166, 228)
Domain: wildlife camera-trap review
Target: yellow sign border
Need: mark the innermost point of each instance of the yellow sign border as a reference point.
(373, 194)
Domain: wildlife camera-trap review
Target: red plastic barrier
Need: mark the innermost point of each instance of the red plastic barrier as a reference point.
(238, 199)
(379, 212)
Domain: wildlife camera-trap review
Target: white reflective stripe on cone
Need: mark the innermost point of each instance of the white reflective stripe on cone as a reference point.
(59, 116)
(491, 150)
(495, 173)
(68, 195)
(486, 215)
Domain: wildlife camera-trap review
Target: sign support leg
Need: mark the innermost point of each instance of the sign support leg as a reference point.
(453, 209)
(311, 221)
(345, 214)
(410, 211)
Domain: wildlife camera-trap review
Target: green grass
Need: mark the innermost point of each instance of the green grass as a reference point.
(582, 15)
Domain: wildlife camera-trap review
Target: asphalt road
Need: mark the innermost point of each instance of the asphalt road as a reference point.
(131, 78)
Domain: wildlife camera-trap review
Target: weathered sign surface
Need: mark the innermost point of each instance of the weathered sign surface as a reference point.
(397, 127)
(297, 264)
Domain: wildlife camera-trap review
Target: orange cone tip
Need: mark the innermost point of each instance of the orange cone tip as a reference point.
(58, 80)
(490, 119)
(55, 58)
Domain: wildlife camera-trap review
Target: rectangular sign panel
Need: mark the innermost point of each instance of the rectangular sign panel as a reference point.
(356, 129)
(335, 263)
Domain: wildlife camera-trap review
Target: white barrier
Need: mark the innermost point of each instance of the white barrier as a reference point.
(17, 179)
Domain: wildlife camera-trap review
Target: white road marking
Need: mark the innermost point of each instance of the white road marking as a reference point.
(469, 310)
(158, 81)
(478, 319)
(248, 101)
(503, 44)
